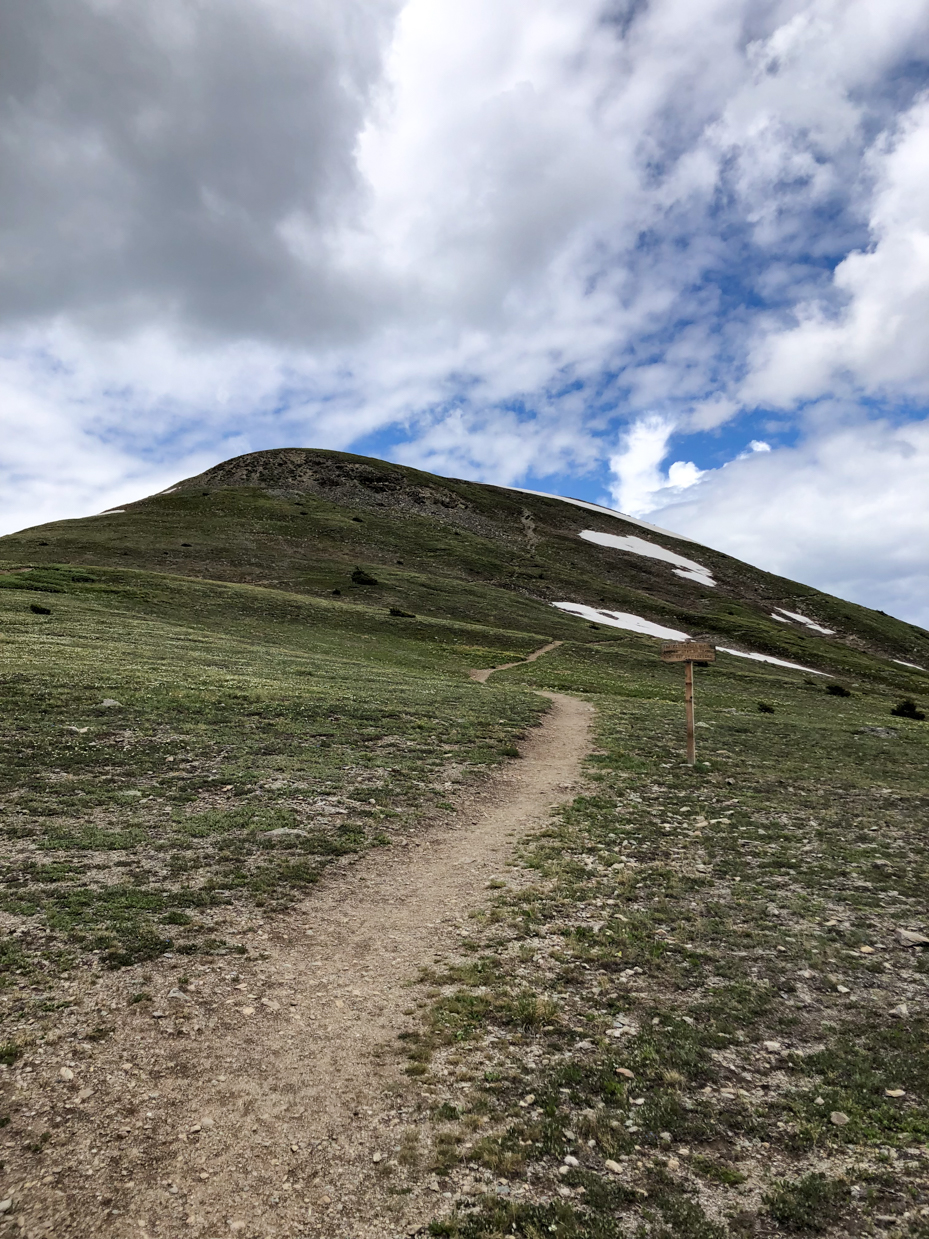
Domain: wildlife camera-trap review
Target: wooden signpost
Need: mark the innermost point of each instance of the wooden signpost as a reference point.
(688, 653)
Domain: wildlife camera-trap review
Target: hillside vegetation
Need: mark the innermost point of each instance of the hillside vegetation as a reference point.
(699, 1009)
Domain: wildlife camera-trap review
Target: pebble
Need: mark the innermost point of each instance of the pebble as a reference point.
(612, 1167)
(902, 1010)
(85, 1093)
(838, 1118)
(6, 1205)
(271, 1004)
(178, 995)
(867, 950)
(66, 1073)
(570, 1160)
(894, 1092)
(528, 1099)
(248, 1010)
(624, 1071)
(772, 1046)
(909, 937)
(109, 701)
(378, 1157)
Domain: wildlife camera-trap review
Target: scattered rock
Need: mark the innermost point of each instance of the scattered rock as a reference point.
(569, 1160)
(109, 701)
(528, 1099)
(838, 1118)
(888, 733)
(612, 1167)
(378, 1157)
(6, 1205)
(271, 1004)
(65, 1073)
(867, 950)
(894, 1092)
(772, 1046)
(624, 1071)
(282, 832)
(910, 937)
(85, 1093)
(902, 1010)
(248, 1010)
(178, 995)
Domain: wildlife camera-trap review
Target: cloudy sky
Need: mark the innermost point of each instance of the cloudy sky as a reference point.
(672, 255)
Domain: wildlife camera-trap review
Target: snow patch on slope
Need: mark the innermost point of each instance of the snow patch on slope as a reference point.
(686, 568)
(635, 623)
(802, 619)
(621, 619)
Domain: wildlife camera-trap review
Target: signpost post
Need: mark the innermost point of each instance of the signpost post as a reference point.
(688, 653)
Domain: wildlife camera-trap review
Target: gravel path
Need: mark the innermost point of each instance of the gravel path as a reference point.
(278, 1097)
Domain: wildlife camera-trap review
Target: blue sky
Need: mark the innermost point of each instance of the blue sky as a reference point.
(674, 257)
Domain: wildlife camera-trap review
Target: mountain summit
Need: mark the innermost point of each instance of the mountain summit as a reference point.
(334, 524)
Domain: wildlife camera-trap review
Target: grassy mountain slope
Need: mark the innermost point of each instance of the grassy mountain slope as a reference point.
(201, 710)
(302, 521)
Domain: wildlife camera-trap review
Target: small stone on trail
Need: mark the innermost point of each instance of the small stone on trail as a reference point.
(85, 1093)
(772, 1046)
(902, 1010)
(528, 1099)
(178, 995)
(378, 1157)
(66, 1073)
(248, 1010)
(838, 1118)
(570, 1161)
(612, 1167)
(6, 1205)
(894, 1092)
(910, 937)
(867, 950)
(270, 1004)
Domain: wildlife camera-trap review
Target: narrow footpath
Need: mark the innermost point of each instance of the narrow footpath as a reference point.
(278, 1101)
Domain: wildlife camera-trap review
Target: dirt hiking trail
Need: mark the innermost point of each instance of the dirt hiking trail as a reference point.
(272, 1100)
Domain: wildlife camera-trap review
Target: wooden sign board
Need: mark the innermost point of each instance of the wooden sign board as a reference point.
(688, 652)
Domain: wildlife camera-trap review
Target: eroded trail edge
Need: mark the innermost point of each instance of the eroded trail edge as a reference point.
(276, 1098)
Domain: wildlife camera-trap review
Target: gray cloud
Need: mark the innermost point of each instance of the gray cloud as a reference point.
(155, 150)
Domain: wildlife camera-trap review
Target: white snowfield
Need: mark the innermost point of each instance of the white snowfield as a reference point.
(686, 568)
(915, 666)
(802, 619)
(621, 619)
(635, 623)
(598, 508)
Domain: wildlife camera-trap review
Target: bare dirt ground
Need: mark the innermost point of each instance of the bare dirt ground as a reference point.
(268, 1098)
